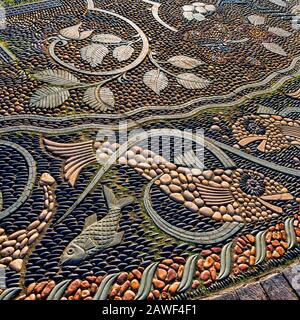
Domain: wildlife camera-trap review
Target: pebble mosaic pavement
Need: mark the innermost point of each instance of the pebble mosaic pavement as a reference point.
(85, 217)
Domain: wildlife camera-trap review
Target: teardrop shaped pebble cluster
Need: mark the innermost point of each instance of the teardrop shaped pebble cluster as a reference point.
(15, 247)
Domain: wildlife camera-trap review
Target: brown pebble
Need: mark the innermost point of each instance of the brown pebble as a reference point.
(209, 261)
(122, 277)
(46, 291)
(171, 275)
(161, 274)
(135, 285)
(158, 284)
(137, 274)
(173, 288)
(129, 295)
(73, 286)
(40, 286)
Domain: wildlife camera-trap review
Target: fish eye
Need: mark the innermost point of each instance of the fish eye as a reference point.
(252, 184)
(70, 251)
(254, 127)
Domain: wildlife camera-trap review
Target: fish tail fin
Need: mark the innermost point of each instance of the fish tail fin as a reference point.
(76, 155)
(112, 201)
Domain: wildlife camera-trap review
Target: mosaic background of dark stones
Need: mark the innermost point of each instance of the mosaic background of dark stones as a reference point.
(260, 134)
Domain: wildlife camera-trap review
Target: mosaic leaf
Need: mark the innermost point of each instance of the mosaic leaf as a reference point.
(106, 38)
(71, 32)
(156, 80)
(57, 77)
(280, 32)
(279, 3)
(123, 53)
(275, 48)
(94, 54)
(256, 19)
(74, 34)
(99, 98)
(185, 62)
(191, 81)
(49, 97)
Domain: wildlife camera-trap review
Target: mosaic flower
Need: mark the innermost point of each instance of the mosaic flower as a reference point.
(198, 11)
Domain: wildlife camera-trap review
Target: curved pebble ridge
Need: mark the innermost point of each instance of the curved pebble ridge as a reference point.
(59, 290)
(226, 261)
(30, 181)
(290, 232)
(146, 281)
(188, 274)
(260, 244)
(9, 294)
(105, 286)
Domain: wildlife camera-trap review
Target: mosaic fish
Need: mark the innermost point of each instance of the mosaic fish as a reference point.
(97, 235)
(236, 195)
(273, 132)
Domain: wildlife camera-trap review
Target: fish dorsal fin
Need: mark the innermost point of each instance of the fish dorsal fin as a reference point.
(109, 196)
(90, 220)
(89, 244)
(189, 159)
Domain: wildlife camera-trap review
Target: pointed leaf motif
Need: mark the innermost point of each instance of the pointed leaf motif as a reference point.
(156, 80)
(185, 62)
(71, 32)
(85, 34)
(123, 53)
(280, 32)
(275, 48)
(279, 3)
(94, 54)
(74, 34)
(191, 81)
(49, 97)
(106, 38)
(57, 77)
(99, 99)
(256, 19)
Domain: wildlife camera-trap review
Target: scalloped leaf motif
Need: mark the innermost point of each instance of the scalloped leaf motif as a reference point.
(156, 80)
(99, 99)
(49, 97)
(185, 62)
(191, 81)
(256, 20)
(106, 38)
(275, 48)
(123, 53)
(57, 77)
(94, 54)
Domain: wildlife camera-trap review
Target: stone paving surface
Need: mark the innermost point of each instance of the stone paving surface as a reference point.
(283, 285)
(149, 149)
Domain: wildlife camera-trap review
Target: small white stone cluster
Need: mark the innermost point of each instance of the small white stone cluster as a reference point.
(197, 11)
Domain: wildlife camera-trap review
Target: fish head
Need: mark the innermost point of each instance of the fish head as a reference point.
(265, 129)
(72, 255)
(258, 195)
